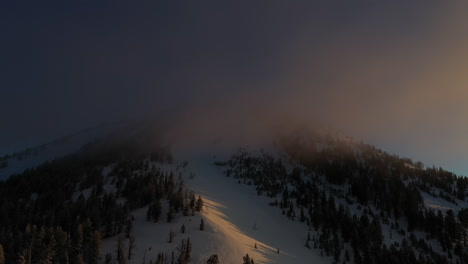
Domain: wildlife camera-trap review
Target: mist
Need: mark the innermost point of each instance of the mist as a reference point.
(390, 74)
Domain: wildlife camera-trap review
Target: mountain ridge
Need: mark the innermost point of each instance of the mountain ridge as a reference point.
(306, 196)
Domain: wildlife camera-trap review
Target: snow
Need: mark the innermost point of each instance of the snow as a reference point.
(235, 209)
(86, 194)
(235, 220)
(51, 151)
(443, 205)
(152, 238)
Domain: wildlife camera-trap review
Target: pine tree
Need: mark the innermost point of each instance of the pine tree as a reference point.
(347, 258)
(88, 246)
(170, 214)
(62, 239)
(131, 246)
(357, 256)
(96, 247)
(22, 260)
(188, 253)
(2, 255)
(161, 259)
(66, 259)
(171, 236)
(376, 236)
(77, 241)
(39, 250)
(178, 201)
(192, 200)
(186, 210)
(149, 213)
(79, 259)
(108, 258)
(121, 251)
(182, 248)
(129, 228)
(199, 205)
(248, 260)
(202, 225)
(50, 246)
(213, 259)
(155, 210)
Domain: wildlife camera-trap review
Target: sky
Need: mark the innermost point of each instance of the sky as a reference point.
(390, 73)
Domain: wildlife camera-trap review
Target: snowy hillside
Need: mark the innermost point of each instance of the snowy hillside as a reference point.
(29, 158)
(239, 221)
(236, 221)
(304, 197)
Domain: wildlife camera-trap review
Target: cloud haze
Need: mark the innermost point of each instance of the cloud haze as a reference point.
(392, 74)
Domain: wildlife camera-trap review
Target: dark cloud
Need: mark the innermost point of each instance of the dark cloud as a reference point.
(389, 73)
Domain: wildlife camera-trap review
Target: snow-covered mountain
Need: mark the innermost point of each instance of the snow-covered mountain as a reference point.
(237, 222)
(316, 197)
(20, 161)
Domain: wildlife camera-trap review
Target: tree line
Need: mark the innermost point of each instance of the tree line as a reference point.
(318, 186)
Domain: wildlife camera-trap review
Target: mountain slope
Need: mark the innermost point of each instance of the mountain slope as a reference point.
(236, 219)
(32, 157)
(309, 197)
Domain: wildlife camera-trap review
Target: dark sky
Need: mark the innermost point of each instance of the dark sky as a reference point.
(392, 74)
